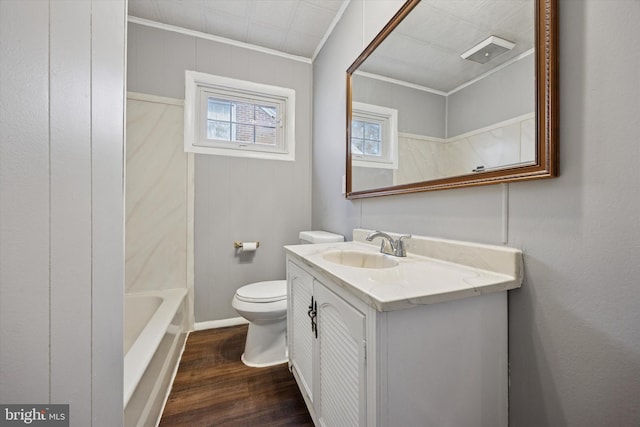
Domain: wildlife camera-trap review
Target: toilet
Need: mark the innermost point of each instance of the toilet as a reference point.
(264, 305)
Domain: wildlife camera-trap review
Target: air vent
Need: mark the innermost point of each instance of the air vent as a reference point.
(488, 49)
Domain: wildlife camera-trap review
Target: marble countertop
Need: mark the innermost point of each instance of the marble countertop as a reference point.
(417, 279)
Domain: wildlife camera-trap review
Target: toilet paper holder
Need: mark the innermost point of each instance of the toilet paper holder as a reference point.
(238, 245)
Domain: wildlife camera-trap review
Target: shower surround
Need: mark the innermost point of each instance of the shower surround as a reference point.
(159, 196)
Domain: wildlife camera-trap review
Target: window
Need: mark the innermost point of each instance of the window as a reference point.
(374, 136)
(230, 117)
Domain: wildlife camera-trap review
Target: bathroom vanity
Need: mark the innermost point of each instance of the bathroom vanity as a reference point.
(378, 340)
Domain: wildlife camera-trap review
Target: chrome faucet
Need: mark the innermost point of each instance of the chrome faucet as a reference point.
(394, 247)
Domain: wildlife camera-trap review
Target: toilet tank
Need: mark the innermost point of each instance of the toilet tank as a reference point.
(320, 237)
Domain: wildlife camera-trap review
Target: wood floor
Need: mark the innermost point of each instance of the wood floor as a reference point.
(214, 388)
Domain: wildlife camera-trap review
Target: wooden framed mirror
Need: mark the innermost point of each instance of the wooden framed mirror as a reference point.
(454, 93)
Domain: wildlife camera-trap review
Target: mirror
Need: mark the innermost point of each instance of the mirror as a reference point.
(454, 93)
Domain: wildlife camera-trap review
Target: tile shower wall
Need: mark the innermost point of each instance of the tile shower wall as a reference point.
(503, 144)
(235, 198)
(159, 196)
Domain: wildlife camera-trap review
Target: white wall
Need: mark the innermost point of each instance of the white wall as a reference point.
(574, 342)
(61, 205)
(235, 198)
(421, 112)
(503, 95)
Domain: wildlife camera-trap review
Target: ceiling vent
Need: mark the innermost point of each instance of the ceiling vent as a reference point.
(488, 49)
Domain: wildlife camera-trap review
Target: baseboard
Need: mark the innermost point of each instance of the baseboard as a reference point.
(223, 323)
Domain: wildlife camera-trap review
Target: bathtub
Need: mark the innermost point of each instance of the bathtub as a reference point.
(155, 325)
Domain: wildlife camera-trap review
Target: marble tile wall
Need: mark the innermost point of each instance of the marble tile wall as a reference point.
(425, 158)
(159, 196)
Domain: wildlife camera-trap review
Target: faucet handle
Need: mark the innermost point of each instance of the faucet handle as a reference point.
(400, 249)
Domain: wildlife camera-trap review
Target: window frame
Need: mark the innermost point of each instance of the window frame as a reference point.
(388, 119)
(200, 86)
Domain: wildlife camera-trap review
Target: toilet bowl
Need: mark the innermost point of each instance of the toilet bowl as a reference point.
(264, 305)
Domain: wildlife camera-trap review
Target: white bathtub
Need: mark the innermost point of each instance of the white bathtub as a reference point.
(154, 335)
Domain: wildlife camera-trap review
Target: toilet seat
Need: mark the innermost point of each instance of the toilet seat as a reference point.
(263, 292)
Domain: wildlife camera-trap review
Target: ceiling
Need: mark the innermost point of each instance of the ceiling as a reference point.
(295, 27)
(424, 50)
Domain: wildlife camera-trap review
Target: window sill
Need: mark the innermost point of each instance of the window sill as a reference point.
(232, 152)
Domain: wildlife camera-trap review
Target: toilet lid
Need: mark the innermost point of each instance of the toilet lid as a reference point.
(271, 291)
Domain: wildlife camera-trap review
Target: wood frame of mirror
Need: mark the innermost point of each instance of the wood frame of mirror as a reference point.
(546, 109)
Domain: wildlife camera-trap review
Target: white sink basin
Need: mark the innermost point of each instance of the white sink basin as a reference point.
(436, 270)
(360, 259)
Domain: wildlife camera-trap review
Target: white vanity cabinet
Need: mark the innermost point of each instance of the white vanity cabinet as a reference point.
(439, 364)
(327, 348)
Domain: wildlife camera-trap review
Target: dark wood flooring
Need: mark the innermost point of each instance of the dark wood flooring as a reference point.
(214, 388)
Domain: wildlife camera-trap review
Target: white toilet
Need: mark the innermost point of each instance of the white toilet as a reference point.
(264, 305)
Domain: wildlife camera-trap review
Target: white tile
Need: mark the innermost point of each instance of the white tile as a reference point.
(498, 147)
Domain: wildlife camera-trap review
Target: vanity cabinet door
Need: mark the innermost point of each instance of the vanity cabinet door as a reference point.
(300, 335)
(340, 350)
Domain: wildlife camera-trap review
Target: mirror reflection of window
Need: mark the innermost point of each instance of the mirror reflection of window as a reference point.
(366, 138)
(462, 77)
(374, 136)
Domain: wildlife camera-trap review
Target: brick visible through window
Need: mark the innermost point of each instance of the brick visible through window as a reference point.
(231, 117)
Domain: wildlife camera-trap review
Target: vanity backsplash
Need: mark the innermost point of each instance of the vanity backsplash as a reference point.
(498, 259)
